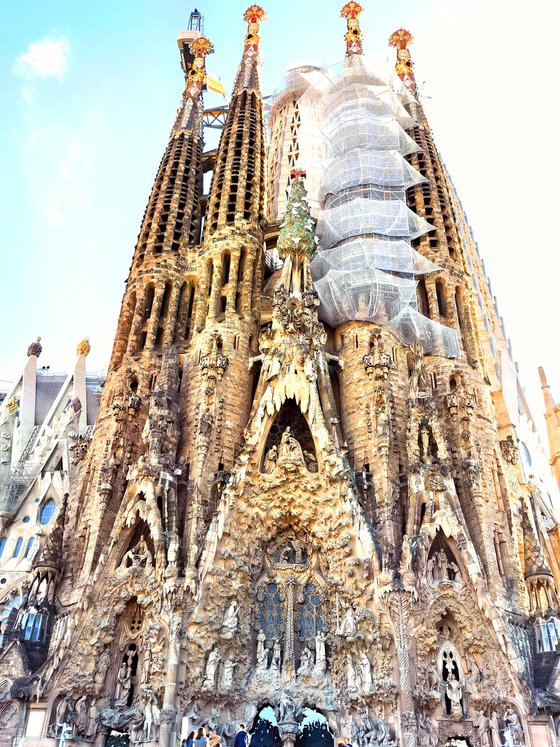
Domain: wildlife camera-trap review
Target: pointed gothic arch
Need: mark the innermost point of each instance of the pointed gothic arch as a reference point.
(290, 416)
(442, 564)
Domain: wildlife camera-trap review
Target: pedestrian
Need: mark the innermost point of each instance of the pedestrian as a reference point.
(189, 741)
(201, 738)
(242, 738)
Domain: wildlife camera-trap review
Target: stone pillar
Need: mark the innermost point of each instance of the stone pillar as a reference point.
(169, 710)
(399, 602)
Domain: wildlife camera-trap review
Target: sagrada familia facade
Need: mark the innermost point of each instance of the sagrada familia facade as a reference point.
(314, 499)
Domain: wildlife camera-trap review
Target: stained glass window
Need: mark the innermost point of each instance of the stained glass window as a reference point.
(47, 512)
(310, 613)
(271, 612)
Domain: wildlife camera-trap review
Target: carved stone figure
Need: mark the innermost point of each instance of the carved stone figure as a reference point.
(151, 713)
(495, 730)
(230, 621)
(226, 680)
(63, 710)
(262, 656)
(81, 722)
(270, 460)
(124, 683)
(101, 667)
(92, 714)
(348, 624)
(482, 724)
(320, 653)
(427, 736)
(290, 451)
(454, 692)
(351, 674)
(138, 557)
(514, 726)
(211, 667)
(276, 661)
(306, 662)
(365, 668)
(287, 708)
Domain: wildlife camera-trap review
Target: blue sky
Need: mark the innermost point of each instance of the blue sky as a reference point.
(88, 94)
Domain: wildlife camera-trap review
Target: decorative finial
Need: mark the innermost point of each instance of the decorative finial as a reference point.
(297, 231)
(253, 16)
(196, 78)
(35, 348)
(352, 11)
(83, 347)
(401, 40)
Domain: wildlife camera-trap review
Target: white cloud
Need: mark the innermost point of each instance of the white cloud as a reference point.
(47, 58)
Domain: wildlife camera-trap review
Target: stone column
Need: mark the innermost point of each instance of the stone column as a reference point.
(168, 714)
(399, 602)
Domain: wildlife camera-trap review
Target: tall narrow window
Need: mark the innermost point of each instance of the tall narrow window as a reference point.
(46, 512)
(440, 294)
(271, 612)
(422, 294)
(17, 548)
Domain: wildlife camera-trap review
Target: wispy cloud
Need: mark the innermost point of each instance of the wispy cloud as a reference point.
(47, 58)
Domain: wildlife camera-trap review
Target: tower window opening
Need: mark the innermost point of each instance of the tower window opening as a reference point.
(17, 548)
(148, 302)
(440, 295)
(422, 294)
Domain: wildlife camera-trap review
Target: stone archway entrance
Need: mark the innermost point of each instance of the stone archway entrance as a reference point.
(117, 740)
(314, 731)
(265, 731)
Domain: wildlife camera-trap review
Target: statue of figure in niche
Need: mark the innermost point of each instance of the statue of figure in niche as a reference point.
(290, 453)
(138, 557)
(291, 552)
(270, 460)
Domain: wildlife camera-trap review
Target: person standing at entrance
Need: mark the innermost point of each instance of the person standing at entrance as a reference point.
(242, 738)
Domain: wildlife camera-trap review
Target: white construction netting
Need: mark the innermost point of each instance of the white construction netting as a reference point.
(365, 268)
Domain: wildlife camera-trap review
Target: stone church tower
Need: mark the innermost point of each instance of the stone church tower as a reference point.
(309, 503)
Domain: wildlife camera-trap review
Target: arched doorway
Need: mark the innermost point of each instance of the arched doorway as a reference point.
(314, 730)
(265, 729)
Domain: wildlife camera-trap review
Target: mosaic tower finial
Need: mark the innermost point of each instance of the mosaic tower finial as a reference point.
(196, 77)
(352, 11)
(253, 16)
(401, 40)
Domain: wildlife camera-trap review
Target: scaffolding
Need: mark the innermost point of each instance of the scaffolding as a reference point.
(353, 135)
